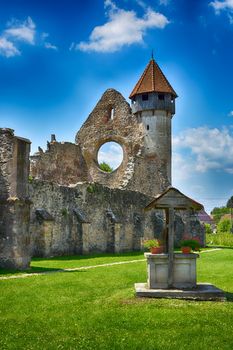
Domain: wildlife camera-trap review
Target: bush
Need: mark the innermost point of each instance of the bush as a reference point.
(222, 239)
(224, 226)
(208, 228)
(106, 167)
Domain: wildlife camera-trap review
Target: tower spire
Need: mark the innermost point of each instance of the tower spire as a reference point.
(152, 54)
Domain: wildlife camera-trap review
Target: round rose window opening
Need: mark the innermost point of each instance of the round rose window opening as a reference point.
(110, 156)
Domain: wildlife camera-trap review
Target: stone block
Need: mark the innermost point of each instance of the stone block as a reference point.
(184, 270)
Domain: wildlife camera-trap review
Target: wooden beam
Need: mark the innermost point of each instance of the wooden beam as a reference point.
(170, 246)
(165, 230)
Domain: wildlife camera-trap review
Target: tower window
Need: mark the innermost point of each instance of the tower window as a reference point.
(147, 127)
(161, 97)
(144, 97)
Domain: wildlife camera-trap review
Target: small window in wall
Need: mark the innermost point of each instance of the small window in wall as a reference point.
(161, 97)
(172, 99)
(147, 127)
(144, 97)
(111, 113)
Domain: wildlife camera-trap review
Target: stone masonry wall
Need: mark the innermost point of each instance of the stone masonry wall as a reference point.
(14, 202)
(91, 218)
(61, 163)
(86, 218)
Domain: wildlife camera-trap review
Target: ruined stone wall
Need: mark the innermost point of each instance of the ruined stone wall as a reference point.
(91, 218)
(86, 218)
(61, 163)
(14, 203)
(100, 128)
(146, 153)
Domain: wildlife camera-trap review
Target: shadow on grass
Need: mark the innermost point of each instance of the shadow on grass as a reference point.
(229, 296)
(33, 269)
(38, 269)
(92, 256)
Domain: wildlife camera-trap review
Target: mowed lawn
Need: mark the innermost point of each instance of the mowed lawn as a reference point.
(97, 308)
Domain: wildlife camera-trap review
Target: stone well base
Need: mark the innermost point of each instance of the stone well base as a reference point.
(184, 270)
(202, 291)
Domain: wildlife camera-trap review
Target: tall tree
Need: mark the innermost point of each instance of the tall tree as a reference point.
(230, 202)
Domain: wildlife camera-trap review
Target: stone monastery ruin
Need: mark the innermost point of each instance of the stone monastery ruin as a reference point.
(68, 205)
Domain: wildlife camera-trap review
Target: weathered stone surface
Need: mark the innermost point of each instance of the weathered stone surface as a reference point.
(61, 163)
(14, 203)
(112, 220)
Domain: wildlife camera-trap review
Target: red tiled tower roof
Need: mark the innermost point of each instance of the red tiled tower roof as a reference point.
(152, 80)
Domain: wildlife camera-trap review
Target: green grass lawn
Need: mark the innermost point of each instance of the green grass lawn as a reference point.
(97, 309)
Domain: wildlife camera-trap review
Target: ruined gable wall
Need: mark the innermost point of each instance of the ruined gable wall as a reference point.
(99, 128)
(61, 163)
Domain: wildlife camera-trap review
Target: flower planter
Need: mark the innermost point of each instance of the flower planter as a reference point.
(186, 250)
(157, 250)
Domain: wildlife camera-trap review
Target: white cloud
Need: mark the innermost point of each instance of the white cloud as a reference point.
(122, 28)
(7, 48)
(230, 114)
(182, 167)
(21, 31)
(225, 5)
(209, 148)
(222, 5)
(48, 45)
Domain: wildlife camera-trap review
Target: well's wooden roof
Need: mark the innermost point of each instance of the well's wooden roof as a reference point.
(173, 198)
(152, 80)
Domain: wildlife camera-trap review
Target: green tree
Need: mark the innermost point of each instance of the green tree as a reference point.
(219, 212)
(230, 202)
(105, 167)
(224, 226)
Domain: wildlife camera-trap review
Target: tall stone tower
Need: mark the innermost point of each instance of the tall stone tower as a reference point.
(153, 104)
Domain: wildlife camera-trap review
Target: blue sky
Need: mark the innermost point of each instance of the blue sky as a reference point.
(57, 58)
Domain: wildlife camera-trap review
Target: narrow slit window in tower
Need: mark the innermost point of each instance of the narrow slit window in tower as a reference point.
(147, 127)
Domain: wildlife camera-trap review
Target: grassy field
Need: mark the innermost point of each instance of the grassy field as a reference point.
(97, 309)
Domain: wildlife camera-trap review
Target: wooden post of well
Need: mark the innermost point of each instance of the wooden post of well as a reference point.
(170, 246)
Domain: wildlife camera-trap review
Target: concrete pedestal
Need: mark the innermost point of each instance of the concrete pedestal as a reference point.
(184, 270)
(184, 279)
